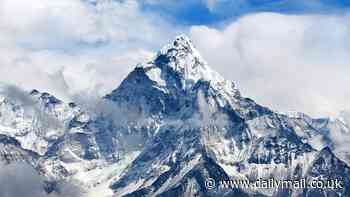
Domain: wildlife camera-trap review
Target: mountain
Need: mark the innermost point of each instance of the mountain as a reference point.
(327, 166)
(172, 124)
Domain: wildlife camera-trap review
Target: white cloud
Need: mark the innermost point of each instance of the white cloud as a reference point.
(284, 61)
(67, 23)
(70, 46)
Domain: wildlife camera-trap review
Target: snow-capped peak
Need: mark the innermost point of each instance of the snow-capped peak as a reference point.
(181, 42)
(45, 97)
(181, 56)
(176, 72)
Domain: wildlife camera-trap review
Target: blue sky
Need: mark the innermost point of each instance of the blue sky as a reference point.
(211, 12)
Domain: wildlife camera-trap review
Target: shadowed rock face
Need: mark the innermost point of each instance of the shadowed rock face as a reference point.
(329, 168)
(11, 151)
(172, 124)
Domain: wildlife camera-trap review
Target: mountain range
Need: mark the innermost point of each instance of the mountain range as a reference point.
(172, 125)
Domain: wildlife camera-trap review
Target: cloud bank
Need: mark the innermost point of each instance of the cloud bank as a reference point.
(287, 62)
(72, 46)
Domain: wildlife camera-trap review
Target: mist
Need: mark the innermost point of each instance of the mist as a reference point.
(32, 108)
(21, 179)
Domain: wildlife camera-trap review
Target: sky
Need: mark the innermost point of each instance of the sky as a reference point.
(289, 55)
